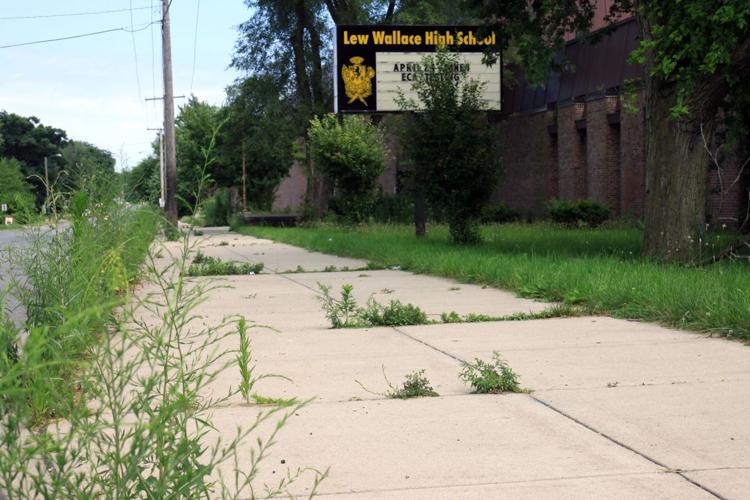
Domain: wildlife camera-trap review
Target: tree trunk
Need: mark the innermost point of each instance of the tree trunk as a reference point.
(316, 72)
(420, 216)
(298, 48)
(676, 169)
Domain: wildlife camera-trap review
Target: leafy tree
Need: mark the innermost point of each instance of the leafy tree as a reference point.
(352, 154)
(698, 55)
(451, 145)
(14, 190)
(29, 142)
(261, 131)
(284, 42)
(87, 163)
(195, 127)
(142, 183)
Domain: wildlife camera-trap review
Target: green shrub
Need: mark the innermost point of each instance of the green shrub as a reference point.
(499, 214)
(451, 145)
(494, 377)
(352, 154)
(579, 213)
(217, 210)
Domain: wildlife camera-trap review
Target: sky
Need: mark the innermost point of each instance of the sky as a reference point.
(94, 87)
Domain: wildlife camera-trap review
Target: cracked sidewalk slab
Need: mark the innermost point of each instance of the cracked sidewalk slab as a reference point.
(625, 397)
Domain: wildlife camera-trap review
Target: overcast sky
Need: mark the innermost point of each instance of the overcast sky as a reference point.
(94, 87)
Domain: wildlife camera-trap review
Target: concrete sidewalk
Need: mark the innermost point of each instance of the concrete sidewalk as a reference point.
(618, 409)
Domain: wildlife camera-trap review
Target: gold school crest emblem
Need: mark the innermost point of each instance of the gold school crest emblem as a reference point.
(357, 80)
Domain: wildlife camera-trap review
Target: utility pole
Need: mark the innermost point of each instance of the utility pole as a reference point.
(170, 156)
(244, 180)
(46, 187)
(162, 180)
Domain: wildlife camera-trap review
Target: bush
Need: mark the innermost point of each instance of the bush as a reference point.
(451, 145)
(352, 155)
(499, 214)
(579, 213)
(217, 210)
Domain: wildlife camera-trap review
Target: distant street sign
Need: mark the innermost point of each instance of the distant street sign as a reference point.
(373, 65)
(4, 207)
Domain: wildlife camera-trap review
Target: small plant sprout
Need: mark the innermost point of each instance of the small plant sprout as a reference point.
(341, 313)
(248, 378)
(494, 377)
(416, 385)
(243, 360)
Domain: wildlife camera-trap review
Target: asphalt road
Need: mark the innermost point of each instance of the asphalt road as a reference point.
(9, 239)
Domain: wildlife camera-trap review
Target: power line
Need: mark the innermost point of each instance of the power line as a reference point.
(89, 13)
(135, 56)
(77, 36)
(195, 45)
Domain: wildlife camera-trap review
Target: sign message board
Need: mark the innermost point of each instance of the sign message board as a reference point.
(374, 64)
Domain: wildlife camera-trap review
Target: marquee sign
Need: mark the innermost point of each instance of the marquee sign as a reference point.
(373, 64)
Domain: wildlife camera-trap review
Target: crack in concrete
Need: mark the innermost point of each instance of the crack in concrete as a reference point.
(582, 424)
(495, 483)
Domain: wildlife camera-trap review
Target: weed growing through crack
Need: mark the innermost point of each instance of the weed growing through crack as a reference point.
(416, 385)
(246, 366)
(395, 313)
(342, 313)
(205, 265)
(494, 377)
(278, 402)
(345, 313)
(557, 311)
(243, 360)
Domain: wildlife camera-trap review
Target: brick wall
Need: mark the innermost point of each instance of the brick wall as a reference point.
(583, 151)
(527, 152)
(602, 154)
(632, 157)
(727, 193)
(593, 151)
(571, 153)
(290, 195)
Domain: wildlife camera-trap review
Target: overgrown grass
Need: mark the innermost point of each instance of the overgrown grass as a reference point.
(72, 279)
(598, 270)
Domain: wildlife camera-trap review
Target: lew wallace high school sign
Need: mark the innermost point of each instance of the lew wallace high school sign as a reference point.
(373, 64)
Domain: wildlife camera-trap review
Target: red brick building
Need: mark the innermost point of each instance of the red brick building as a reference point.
(579, 136)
